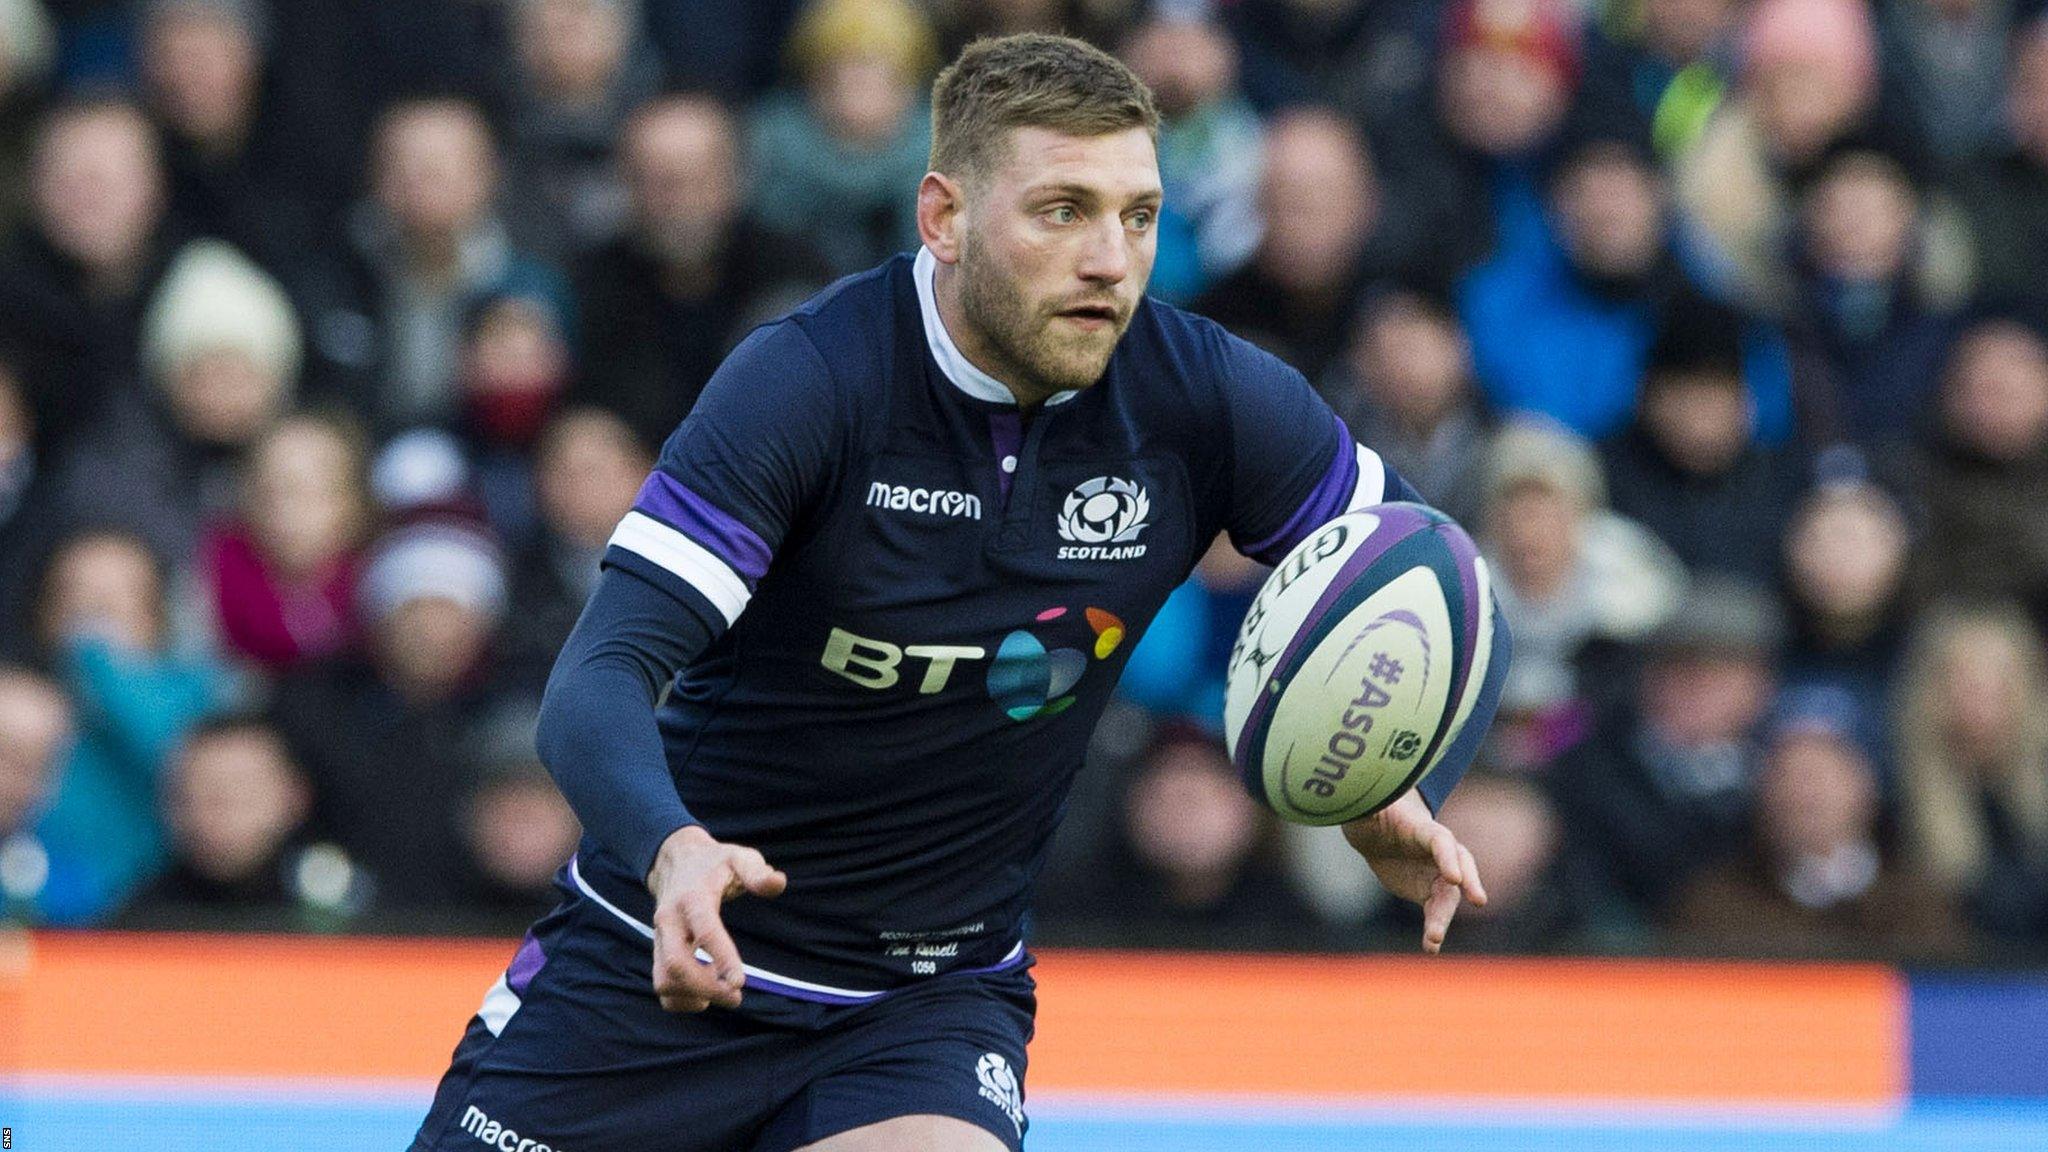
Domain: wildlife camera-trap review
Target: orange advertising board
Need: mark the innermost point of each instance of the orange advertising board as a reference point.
(1289, 1026)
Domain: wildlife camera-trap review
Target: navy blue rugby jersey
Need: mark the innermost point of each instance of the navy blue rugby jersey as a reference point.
(922, 598)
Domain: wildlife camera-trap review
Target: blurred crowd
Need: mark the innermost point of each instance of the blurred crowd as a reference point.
(337, 335)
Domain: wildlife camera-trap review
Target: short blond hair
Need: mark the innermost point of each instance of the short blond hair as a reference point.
(1030, 80)
(892, 30)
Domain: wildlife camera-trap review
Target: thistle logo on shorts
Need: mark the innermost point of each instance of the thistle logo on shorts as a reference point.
(937, 501)
(497, 1135)
(1101, 514)
(999, 1087)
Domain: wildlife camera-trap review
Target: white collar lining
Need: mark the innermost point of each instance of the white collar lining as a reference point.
(957, 368)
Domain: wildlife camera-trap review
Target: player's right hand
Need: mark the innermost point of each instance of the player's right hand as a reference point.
(1418, 859)
(692, 875)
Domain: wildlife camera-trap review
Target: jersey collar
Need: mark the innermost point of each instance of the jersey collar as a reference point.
(964, 375)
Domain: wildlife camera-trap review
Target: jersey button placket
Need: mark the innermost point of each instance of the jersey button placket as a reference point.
(1019, 471)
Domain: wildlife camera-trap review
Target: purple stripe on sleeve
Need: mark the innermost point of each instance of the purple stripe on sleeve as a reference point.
(525, 966)
(1328, 499)
(666, 499)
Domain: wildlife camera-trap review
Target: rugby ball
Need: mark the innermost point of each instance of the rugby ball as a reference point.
(1358, 663)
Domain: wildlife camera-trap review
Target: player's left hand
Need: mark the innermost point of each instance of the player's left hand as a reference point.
(693, 875)
(1418, 859)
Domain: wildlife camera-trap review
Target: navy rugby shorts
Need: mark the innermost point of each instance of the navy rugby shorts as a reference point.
(571, 1052)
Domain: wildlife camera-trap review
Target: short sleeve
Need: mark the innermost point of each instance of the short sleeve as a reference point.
(1294, 465)
(735, 475)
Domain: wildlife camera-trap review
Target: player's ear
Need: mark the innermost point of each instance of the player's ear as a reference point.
(941, 215)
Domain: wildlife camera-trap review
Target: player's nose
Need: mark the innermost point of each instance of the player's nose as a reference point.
(1106, 255)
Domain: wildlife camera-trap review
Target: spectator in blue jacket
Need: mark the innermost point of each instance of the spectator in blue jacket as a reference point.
(1563, 327)
(104, 621)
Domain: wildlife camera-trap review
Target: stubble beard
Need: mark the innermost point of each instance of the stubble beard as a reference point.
(1032, 354)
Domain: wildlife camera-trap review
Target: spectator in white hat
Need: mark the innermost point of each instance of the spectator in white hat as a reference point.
(433, 592)
(385, 739)
(222, 342)
(220, 350)
(1576, 581)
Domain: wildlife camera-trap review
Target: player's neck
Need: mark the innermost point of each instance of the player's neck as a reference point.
(976, 348)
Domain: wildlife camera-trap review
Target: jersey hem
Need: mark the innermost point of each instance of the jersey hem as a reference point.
(762, 980)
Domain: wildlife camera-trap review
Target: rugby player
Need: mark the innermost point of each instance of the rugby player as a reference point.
(820, 715)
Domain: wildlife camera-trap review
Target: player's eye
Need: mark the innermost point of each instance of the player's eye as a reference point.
(1141, 220)
(1063, 214)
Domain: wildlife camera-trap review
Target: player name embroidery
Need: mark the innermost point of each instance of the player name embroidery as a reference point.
(937, 501)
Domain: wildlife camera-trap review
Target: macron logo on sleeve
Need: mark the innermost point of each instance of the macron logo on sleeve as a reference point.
(497, 1135)
(936, 501)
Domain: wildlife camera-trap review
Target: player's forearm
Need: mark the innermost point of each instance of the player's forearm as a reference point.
(599, 739)
(598, 735)
(1395, 487)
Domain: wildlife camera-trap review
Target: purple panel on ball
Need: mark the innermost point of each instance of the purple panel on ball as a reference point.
(1397, 523)
(1467, 555)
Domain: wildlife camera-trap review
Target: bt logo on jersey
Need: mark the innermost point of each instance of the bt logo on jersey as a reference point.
(1026, 678)
(1029, 679)
(874, 663)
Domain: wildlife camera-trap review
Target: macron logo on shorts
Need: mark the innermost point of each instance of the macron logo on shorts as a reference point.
(497, 1135)
(999, 1087)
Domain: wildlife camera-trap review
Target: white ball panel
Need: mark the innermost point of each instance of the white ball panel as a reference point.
(1352, 723)
(1285, 600)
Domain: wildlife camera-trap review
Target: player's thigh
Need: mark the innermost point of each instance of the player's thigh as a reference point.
(572, 1050)
(952, 1052)
(928, 1133)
